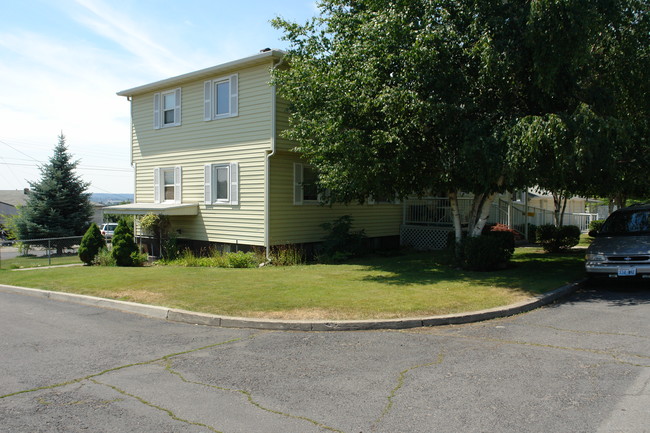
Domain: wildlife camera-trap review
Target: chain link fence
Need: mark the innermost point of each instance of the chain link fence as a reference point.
(23, 253)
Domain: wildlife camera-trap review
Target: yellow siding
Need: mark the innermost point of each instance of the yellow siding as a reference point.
(282, 123)
(291, 223)
(244, 139)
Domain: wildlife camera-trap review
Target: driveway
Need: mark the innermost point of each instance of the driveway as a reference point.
(11, 252)
(582, 365)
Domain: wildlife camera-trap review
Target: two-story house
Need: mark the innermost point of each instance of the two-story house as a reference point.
(207, 151)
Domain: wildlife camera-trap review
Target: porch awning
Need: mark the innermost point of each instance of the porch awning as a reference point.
(172, 209)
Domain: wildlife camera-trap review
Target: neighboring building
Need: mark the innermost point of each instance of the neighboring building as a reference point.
(545, 201)
(207, 151)
(11, 199)
(9, 202)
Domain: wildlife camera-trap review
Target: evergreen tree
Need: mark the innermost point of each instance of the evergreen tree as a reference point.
(92, 242)
(123, 244)
(58, 204)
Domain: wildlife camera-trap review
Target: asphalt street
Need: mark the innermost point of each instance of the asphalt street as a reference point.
(581, 365)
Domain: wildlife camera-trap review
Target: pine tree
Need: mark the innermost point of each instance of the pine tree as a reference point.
(92, 242)
(58, 204)
(123, 244)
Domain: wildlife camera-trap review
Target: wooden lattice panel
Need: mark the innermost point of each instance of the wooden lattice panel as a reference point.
(424, 238)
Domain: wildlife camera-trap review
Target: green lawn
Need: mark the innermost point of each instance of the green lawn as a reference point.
(376, 287)
(585, 240)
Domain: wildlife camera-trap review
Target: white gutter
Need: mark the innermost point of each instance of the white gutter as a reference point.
(213, 70)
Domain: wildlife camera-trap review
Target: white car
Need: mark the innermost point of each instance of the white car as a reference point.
(107, 230)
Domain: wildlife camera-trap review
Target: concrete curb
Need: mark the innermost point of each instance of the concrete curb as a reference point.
(190, 317)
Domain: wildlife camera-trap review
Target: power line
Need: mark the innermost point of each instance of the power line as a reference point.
(21, 152)
(86, 153)
(124, 170)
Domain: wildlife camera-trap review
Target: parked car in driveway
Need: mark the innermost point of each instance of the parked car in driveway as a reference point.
(621, 248)
(107, 230)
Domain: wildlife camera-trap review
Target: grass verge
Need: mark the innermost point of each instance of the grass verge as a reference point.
(375, 287)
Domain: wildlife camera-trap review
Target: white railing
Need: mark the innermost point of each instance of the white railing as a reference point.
(436, 212)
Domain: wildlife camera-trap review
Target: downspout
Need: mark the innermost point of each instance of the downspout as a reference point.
(135, 176)
(267, 182)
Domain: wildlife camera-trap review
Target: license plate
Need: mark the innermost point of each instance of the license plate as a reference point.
(626, 272)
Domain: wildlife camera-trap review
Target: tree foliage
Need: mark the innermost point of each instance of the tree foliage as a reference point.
(396, 98)
(57, 205)
(124, 250)
(91, 243)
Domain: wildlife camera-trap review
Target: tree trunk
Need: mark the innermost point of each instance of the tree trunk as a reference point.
(621, 199)
(483, 212)
(455, 213)
(563, 209)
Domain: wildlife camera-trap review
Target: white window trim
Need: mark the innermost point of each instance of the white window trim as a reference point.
(210, 100)
(233, 184)
(159, 184)
(298, 190)
(159, 112)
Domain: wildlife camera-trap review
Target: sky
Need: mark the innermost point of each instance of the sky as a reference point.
(62, 62)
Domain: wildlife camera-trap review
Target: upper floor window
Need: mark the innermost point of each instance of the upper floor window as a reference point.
(221, 98)
(167, 184)
(222, 183)
(167, 109)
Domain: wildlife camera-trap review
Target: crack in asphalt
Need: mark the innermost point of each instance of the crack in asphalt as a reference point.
(616, 356)
(400, 383)
(171, 414)
(249, 397)
(122, 367)
(576, 331)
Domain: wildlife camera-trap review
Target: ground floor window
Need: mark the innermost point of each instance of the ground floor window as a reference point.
(222, 183)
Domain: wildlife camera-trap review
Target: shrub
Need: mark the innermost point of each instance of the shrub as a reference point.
(596, 225)
(138, 258)
(91, 244)
(124, 245)
(215, 259)
(104, 258)
(555, 239)
(505, 238)
(23, 248)
(158, 227)
(170, 249)
(340, 243)
(494, 228)
(487, 252)
(287, 255)
(241, 259)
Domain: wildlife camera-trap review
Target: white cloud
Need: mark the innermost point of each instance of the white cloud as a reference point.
(122, 30)
(49, 86)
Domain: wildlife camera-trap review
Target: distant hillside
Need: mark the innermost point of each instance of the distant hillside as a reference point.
(105, 198)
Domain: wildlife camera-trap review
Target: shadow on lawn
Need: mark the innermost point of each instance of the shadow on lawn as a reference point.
(530, 272)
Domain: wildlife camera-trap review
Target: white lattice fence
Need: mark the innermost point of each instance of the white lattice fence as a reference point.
(424, 238)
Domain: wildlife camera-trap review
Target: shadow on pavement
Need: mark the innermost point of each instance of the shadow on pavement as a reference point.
(616, 293)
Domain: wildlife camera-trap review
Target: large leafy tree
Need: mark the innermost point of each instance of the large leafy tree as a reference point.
(57, 204)
(587, 127)
(395, 97)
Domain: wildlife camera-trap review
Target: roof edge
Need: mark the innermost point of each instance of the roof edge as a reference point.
(239, 63)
